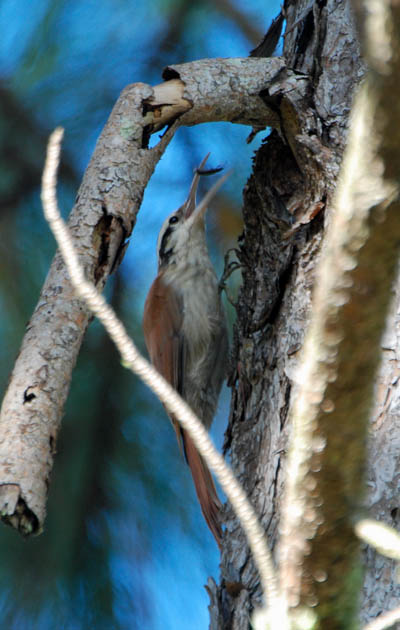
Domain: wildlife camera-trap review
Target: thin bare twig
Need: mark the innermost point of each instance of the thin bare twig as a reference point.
(132, 359)
(387, 620)
(101, 220)
(340, 357)
(385, 539)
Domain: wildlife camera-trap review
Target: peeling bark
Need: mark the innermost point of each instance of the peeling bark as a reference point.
(319, 561)
(381, 591)
(287, 202)
(101, 220)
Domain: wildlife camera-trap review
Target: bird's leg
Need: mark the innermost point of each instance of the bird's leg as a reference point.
(229, 268)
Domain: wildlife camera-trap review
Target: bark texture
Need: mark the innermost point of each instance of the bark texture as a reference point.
(324, 494)
(381, 591)
(382, 48)
(101, 220)
(287, 202)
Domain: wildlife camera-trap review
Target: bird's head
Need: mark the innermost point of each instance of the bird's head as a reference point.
(183, 232)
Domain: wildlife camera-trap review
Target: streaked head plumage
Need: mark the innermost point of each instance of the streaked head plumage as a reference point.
(187, 223)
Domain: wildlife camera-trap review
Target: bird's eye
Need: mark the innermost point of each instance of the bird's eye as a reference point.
(173, 219)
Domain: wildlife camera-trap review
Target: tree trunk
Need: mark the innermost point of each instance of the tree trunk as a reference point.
(381, 591)
(287, 204)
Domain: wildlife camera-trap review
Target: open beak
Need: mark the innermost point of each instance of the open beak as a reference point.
(190, 203)
(192, 212)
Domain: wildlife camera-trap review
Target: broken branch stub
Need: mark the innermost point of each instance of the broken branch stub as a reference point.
(214, 90)
(101, 220)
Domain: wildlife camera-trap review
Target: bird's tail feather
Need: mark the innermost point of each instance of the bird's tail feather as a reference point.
(205, 487)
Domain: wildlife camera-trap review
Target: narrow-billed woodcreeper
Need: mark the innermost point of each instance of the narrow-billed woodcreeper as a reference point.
(185, 330)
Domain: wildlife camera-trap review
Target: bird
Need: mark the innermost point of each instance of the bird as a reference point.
(185, 330)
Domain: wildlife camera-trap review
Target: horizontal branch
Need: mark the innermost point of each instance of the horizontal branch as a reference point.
(100, 222)
(214, 90)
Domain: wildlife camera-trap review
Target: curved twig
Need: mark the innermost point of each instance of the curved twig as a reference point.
(168, 396)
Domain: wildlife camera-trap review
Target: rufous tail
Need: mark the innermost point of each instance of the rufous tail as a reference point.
(205, 487)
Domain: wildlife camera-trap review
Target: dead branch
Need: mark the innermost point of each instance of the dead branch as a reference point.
(149, 375)
(100, 222)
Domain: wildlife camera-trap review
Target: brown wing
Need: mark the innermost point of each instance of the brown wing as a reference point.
(162, 327)
(162, 324)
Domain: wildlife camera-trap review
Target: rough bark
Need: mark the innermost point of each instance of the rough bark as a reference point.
(381, 585)
(381, 591)
(287, 202)
(319, 551)
(100, 221)
(102, 218)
